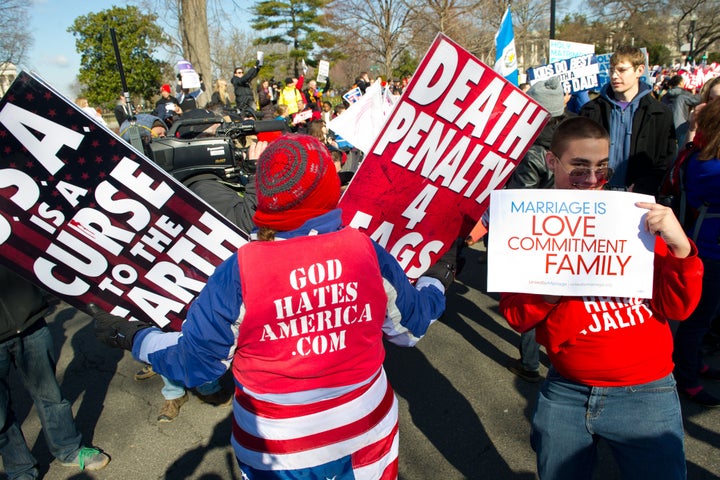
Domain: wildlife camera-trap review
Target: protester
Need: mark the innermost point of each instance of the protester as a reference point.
(244, 99)
(314, 95)
(220, 94)
(363, 81)
(681, 103)
(533, 172)
(643, 142)
(266, 100)
(167, 107)
(710, 91)
(25, 342)
(312, 348)
(82, 102)
(702, 177)
(609, 383)
(121, 111)
(327, 113)
(290, 96)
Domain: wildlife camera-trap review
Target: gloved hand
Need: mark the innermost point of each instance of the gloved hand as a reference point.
(444, 269)
(112, 330)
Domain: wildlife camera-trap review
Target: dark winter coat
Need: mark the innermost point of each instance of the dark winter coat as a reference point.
(652, 144)
(22, 305)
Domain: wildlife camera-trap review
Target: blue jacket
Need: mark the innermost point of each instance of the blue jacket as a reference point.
(702, 178)
(204, 349)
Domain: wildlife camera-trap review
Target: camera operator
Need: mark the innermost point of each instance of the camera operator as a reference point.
(148, 127)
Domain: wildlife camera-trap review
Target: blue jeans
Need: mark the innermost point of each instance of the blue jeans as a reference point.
(172, 390)
(33, 357)
(689, 334)
(642, 424)
(529, 351)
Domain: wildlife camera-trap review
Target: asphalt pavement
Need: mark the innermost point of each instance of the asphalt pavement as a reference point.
(463, 415)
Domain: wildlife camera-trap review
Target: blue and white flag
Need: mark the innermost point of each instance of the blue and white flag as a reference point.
(505, 57)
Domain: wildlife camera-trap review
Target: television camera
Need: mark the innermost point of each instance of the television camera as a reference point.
(210, 145)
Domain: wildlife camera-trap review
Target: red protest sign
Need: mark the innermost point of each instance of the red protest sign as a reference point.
(455, 135)
(88, 218)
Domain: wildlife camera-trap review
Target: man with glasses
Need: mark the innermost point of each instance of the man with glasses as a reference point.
(611, 376)
(642, 132)
(244, 99)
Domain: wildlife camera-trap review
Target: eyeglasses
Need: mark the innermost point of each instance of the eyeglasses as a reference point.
(579, 175)
(239, 72)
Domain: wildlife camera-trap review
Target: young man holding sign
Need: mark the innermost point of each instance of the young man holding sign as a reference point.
(612, 368)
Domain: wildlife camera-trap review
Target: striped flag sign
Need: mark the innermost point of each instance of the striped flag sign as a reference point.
(88, 218)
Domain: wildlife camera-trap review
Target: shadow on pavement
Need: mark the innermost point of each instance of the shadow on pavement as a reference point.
(444, 415)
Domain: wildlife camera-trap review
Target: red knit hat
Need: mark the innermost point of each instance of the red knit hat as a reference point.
(296, 181)
(165, 88)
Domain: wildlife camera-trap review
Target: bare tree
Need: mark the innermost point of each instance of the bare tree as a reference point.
(464, 21)
(16, 39)
(193, 25)
(633, 22)
(697, 19)
(377, 27)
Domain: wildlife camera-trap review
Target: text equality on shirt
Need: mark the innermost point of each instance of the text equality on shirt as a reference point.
(456, 134)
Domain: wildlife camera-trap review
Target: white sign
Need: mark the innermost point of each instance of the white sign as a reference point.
(561, 50)
(361, 123)
(569, 242)
(323, 71)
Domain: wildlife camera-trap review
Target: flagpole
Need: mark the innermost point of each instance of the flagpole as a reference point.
(552, 19)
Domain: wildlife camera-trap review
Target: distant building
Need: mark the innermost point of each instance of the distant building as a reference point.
(8, 73)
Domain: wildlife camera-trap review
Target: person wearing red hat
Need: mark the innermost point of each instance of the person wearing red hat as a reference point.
(299, 315)
(167, 106)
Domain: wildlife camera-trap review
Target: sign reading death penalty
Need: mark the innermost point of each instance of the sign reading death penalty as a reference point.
(570, 242)
(85, 216)
(456, 134)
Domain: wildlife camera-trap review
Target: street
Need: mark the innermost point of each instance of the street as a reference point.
(463, 415)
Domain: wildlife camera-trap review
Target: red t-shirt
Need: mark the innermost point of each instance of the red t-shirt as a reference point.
(608, 341)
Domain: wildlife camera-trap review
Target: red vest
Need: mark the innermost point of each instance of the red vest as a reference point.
(314, 310)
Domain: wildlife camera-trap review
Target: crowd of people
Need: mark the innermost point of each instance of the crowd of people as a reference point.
(322, 415)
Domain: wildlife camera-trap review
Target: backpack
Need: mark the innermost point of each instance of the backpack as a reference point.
(672, 193)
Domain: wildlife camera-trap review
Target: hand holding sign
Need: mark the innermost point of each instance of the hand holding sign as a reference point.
(661, 221)
(114, 331)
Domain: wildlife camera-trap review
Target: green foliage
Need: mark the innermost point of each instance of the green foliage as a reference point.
(138, 37)
(406, 65)
(659, 54)
(296, 23)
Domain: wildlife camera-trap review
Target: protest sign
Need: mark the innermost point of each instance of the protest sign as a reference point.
(570, 242)
(575, 74)
(87, 217)
(323, 71)
(362, 121)
(189, 78)
(457, 133)
(353, 95)
(562, 50)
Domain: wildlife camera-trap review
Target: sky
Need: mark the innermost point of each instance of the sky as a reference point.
(53, 54)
